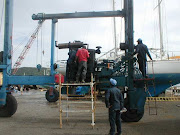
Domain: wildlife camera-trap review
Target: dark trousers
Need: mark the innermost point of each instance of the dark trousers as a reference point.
(82, 70)
(115, 120)
(71, 70)
(142, 66)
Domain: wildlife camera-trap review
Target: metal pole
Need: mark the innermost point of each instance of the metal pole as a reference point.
(126, 21)
(131, 26)
(160, 31)
(92, 102)
(115, 40)
(67, 104)
(7, 55)
(54, 21)
(129, 39)
(95, 98)
(60, 105)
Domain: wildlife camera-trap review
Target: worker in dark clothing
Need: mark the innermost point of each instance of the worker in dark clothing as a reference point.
(71, 67)
(82, 55)
(115, 102)
(142, 50)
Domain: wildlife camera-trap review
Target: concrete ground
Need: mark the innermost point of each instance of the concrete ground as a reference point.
(35, 116)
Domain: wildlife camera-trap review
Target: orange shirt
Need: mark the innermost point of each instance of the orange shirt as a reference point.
(82, 55)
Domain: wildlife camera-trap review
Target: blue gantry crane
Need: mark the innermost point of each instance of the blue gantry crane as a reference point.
(136, 96)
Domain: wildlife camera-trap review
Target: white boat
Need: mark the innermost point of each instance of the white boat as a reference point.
(166, 73)
(163, 67)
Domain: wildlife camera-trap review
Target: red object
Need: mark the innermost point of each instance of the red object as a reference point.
(82, 54)
(57, 78)
(51, 91)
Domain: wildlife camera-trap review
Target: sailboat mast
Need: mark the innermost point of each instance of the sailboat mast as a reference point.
(114, 24)
(160, 31)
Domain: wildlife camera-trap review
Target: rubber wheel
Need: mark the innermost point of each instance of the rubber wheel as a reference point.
(10, 107)
(52, 98)
(131, 115)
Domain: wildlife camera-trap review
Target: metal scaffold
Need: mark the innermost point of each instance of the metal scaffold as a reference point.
(92, 96)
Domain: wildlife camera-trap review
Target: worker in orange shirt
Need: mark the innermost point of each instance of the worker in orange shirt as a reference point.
(82, 55)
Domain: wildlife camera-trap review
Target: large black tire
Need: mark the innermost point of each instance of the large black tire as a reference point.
(10, 107)
(52, 98)
(131, 115)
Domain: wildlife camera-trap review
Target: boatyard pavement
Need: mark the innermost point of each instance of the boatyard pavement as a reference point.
(36, 116)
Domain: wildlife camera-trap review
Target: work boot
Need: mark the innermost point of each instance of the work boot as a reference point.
(83, 81)
(123, 110)
(77, 81)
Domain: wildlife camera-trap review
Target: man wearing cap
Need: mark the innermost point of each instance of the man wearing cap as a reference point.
(82, 55)
(142, 50)
(114, 101)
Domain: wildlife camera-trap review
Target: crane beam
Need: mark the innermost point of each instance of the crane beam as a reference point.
(42, 16)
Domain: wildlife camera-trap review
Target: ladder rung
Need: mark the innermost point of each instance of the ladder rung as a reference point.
(76, 111)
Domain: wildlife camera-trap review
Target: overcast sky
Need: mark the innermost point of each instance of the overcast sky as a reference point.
(95, 32)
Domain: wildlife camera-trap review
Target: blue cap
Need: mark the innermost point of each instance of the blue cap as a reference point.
(139, 40)
(113, 82)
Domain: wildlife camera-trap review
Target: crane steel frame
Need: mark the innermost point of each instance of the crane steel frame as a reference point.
(8, 79)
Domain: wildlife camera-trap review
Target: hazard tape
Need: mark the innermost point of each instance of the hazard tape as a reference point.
(162, 98)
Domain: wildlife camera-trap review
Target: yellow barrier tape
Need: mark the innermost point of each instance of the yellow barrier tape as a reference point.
(162, 98)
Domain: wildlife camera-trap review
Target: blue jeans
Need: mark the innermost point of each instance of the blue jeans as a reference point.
(115, 120)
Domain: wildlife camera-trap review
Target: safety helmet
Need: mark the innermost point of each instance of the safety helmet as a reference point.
(113, 82)
(139, 40)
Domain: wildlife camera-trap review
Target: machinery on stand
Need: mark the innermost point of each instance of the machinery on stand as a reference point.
(71, 68)
(123, 71)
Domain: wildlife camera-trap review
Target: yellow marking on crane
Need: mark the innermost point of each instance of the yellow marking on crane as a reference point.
(162, 98)
(1, 78)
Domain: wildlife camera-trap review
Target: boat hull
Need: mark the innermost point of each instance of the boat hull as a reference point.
(166, 74)
(162, 82)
